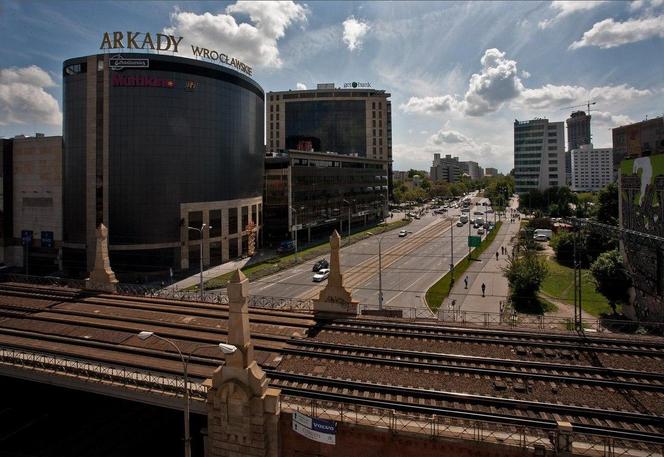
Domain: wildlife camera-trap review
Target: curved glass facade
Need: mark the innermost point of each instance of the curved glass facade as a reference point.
(180, 131)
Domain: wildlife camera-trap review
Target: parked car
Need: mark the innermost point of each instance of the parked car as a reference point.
(417, 217)
(321, 275)
(489, 211)
(459, 224)
(480, 231)
(402, 233)
(321, 264)
(540, 238)
(545, 233)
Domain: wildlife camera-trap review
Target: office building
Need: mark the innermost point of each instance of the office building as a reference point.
(578, 133)
(31, 202)
(150, 151)
(312, 193)
(592, 168)
(472, 169)
(446, 169)
(488, 171)
(539, 154)
(399, 175)
(355, 122)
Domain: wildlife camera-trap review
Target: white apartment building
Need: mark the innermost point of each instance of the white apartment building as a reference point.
(539, 154)
(592, 169)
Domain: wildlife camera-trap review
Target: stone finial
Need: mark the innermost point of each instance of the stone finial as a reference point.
(335, 299)
(102, 277)
(243, 412)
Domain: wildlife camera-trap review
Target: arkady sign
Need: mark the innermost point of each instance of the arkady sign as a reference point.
(165, 42)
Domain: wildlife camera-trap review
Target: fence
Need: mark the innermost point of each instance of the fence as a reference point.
(526, 437)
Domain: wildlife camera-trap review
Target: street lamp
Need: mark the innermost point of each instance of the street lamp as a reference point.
(225, 348)
(349, 215)
(380, 272)
(200, 230)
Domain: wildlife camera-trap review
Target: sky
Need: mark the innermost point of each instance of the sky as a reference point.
(459, 73)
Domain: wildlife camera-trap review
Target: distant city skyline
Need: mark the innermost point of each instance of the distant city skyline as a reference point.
(456, 93)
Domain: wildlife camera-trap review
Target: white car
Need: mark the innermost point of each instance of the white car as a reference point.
(321, 275)
(402, 233)
(541, 237)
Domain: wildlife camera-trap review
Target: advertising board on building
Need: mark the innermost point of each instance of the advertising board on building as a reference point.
(320, 430)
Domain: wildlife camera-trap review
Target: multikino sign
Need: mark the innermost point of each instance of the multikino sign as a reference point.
(165, 42)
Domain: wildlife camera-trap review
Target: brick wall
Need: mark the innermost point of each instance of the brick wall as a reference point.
(372, 442)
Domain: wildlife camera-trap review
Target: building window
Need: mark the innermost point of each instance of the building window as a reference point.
(373, 105)
(373, 114)
(245, 217)
(232, 222)
(215, 223)
(374, 132)
(195, 221)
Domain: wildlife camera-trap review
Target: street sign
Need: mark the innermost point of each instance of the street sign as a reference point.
(474, 241)
(323, 431)
(296, 227)
(26, 237)
(47, 239)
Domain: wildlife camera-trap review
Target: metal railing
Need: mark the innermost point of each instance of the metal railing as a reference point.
(90, 371)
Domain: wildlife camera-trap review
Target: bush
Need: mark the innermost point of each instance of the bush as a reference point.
(525, 276)
(540, 223)
(611, 278)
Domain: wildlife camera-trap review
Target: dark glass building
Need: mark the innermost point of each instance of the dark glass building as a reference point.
(154, 144)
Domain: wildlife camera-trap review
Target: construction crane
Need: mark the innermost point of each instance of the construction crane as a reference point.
(587, 105)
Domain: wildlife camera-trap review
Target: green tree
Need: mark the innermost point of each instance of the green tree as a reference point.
(611, 278)
(525, 275)
(563, 245)
(607, 205)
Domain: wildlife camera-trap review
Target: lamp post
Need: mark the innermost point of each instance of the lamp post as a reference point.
(200, 230)
(380, 271)
(225, 348)
(452, 252)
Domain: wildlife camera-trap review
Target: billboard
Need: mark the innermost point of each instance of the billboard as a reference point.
(642, 210)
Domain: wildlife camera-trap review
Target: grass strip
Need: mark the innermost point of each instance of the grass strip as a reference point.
(442, 288)
(277, 263)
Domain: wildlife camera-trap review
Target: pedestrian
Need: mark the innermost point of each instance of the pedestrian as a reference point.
(496, 255)
(465, 282)
(483, 289)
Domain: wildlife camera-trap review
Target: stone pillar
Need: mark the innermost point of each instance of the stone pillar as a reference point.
(102, 277)
(334, 300)
(243, 412)
(564, 438)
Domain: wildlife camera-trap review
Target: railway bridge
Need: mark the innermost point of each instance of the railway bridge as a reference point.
(391, 387)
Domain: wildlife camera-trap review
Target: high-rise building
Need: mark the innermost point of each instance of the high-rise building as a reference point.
(446, 169)
(472, 169)
(539, 154)
(328, 119)
(152, 150)
(578, 133)
(592, 169)
(488, 171)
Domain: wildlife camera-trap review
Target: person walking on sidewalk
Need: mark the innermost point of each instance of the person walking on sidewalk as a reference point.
(465, 282)
(483, 289)
(496, 255)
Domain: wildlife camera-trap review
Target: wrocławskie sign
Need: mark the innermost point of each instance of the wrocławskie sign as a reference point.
(166, 42)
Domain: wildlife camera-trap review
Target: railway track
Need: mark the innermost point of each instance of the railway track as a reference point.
(358, 274)
(503, 368)
(498, 337)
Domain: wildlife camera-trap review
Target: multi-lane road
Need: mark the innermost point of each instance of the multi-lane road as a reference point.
(410, 264)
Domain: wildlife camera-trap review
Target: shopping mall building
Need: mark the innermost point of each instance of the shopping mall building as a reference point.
(154, 144)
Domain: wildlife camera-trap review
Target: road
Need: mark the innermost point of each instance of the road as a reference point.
(410, 265)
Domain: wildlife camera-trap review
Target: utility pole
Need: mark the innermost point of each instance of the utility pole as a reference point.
(452, 251)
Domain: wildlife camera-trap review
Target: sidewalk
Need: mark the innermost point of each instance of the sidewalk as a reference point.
(488, 271)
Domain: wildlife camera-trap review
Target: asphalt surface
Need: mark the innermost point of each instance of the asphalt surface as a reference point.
(405, 278)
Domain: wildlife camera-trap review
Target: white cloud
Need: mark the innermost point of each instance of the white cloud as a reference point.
(610, 34)
(525, 74)
(552, 96)
(448, 136)
(610, 120)
(497, 83)
(565, 8)
(430, 105)
(255, 44)
(354, 32)
(648, 5)
(23, 98)
(301, 86)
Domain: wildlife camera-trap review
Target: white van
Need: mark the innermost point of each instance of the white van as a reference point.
(542, 235)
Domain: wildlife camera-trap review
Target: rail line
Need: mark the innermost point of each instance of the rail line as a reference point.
(555, 374)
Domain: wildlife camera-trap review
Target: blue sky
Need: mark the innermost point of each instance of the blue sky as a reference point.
(459, 73)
